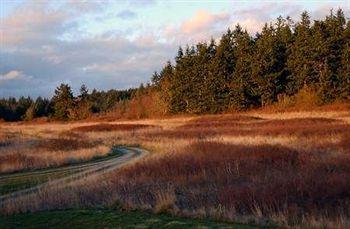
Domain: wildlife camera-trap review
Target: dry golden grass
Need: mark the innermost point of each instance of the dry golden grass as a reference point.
(20, 151)
(290, 168)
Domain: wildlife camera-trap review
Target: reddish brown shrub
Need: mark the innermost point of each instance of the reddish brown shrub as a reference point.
(64, 144)
(273, 179)
(213, 178)
(111, 127)
(302, 127)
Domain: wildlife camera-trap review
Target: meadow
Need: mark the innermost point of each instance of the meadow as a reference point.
(259, 167)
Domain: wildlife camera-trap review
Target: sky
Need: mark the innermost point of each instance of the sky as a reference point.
(118, 44)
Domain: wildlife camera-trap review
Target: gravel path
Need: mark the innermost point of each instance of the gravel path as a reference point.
(125, 155)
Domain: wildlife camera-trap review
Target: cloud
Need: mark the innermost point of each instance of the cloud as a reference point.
(98, 62)
(127, 14)
(13, 75)
(34, 40)
(33, 24)
(203, 20)
(201, 26)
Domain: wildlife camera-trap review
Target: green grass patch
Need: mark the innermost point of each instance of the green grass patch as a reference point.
(107, 218)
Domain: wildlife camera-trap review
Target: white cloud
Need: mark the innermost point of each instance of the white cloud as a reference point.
(13, 75)
(203, 20)
(200, 27)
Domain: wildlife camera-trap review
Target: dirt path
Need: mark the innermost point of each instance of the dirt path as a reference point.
(126, 154)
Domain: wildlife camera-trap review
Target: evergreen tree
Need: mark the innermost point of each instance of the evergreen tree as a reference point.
(300, 58)
(155, 79)
(201, 94)
(63, 102)
(330, 54)
(21, 107)
(40, 108)
(344, 73)
(270, 55)
(83, 106)
(178, 86)
(211, 84)
(243, 90)
(84, 92)
(223, 66)
(164, 82)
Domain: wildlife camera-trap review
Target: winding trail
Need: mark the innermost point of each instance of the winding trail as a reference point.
(122, 155)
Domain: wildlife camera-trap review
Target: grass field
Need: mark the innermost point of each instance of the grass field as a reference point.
(287, 169)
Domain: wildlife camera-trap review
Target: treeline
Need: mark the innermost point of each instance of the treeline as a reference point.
(63, 105)
(242, 71)
(285, 63)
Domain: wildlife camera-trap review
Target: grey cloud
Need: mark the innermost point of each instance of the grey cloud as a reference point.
(99, 63)
(45, 54)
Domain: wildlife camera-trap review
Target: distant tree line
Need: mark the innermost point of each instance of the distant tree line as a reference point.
(63, 105)
(243, 71)
(285, 61)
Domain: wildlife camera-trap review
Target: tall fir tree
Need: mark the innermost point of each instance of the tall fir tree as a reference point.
(344, 72)
(223, 66)
(63, 102)
(243, 90)
(300, 56)
(269, 68)
(332, 30)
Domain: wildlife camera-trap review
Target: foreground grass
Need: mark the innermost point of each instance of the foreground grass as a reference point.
(289, 169)
(106, 218)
